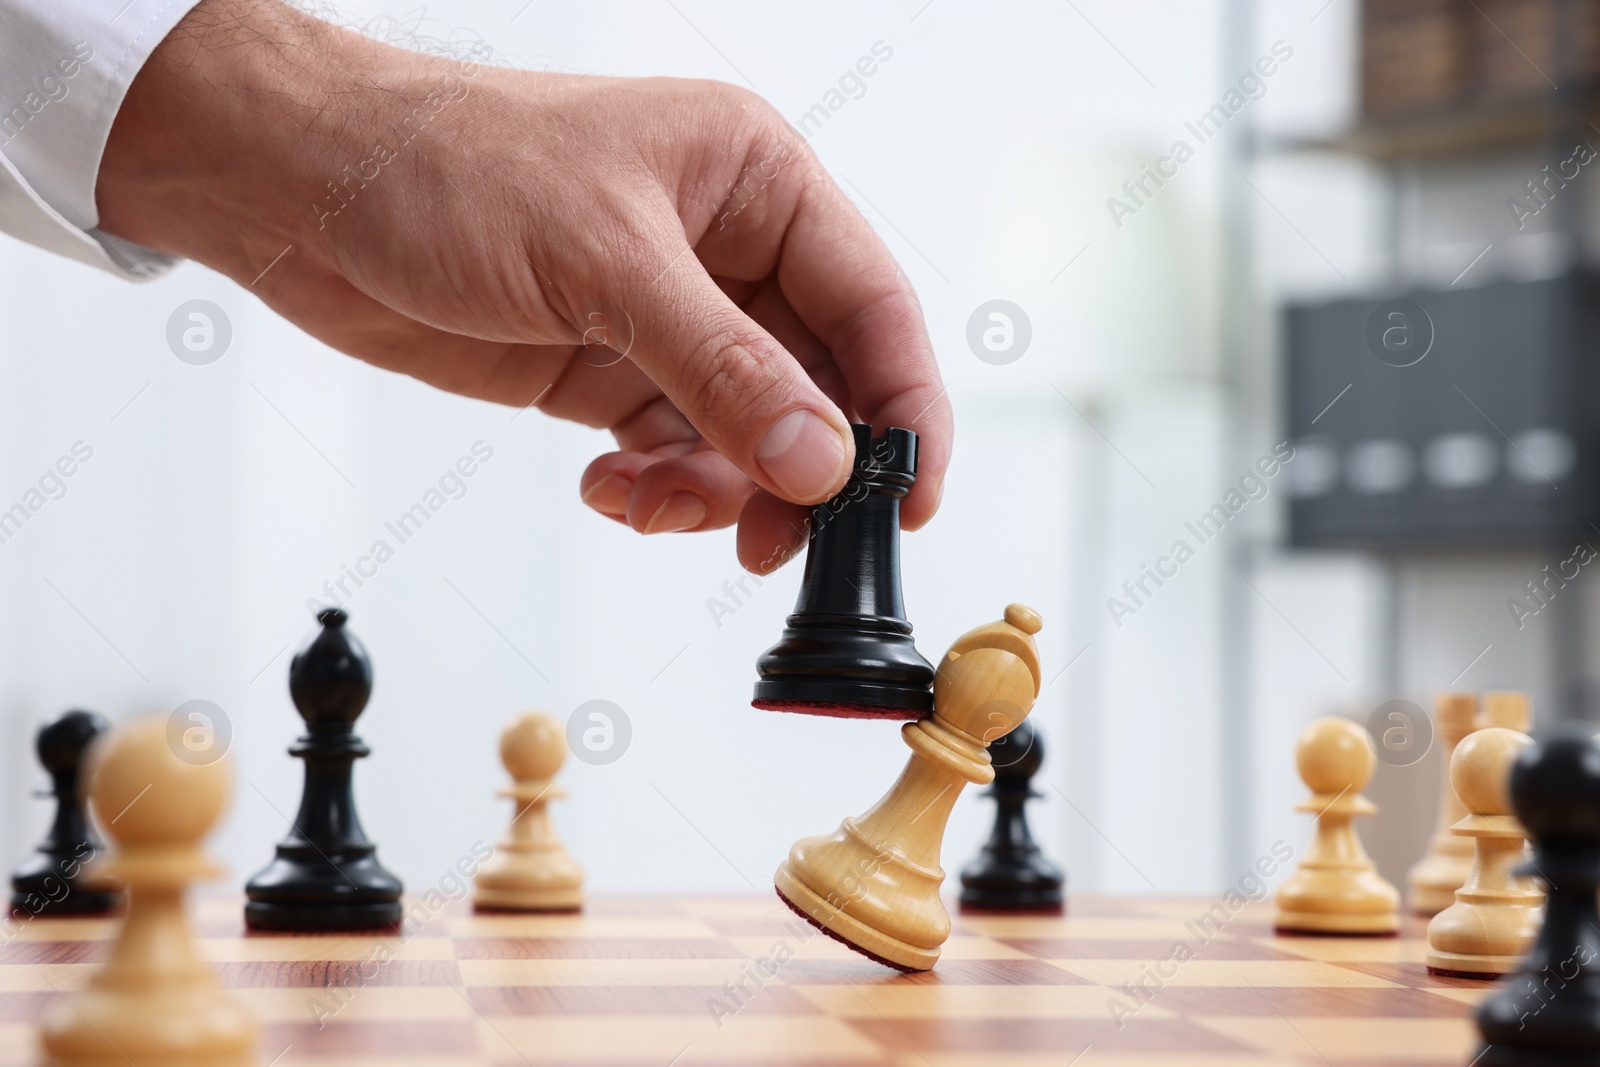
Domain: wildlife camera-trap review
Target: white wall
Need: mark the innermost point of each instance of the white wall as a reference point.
(179, 563)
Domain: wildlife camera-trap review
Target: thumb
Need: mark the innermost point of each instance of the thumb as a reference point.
(739, 387)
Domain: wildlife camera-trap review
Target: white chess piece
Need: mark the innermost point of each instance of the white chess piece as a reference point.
(1444, 867)
(1497, 913)
(154, 1001)
(1336, 889)
(530, 870)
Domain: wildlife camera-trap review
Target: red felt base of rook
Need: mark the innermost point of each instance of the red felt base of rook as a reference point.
(838, 711)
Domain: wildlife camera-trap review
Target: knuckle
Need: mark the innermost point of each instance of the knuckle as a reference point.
(728, 385)
(747, 115)
(733, 98)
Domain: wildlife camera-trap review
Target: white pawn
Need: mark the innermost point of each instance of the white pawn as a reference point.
(1444, 867)
(530, 870)
(153, 1001)
(1336, 889)
(1497, 913)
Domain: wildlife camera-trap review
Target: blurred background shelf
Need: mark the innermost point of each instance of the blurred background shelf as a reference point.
(1453, 134)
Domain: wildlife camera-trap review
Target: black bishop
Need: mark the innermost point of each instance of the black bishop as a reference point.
(326, 875)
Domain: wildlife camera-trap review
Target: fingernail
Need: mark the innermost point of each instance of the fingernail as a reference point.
(609, 494)
(804, 456)
(680, 511)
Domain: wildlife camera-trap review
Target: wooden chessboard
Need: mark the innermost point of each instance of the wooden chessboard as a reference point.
(635, 981)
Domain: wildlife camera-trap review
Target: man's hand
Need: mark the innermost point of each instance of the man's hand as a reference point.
(492, 231)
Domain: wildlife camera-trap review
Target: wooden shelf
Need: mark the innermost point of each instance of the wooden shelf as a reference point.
(1459, 132)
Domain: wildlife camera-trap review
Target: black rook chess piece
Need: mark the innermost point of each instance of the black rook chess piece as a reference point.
(326, 875)
(1547, 1014)
(1010, 873)
(51, 880)
(846, 650)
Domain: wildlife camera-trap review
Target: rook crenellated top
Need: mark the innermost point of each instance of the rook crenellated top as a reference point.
(888, 460)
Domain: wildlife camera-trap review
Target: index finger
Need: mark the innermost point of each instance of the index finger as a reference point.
(847, 288)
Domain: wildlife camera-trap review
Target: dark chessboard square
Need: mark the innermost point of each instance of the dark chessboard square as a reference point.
(1413, 975)
(54, 952)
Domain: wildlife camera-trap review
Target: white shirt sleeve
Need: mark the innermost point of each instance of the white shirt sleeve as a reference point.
(65, 66)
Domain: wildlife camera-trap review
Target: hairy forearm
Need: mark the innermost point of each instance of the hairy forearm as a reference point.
(242, 115)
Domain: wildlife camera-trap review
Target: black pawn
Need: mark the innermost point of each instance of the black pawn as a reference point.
(51, 880)
(847, 650)
(326, 875)
(1010, 873)
(1547, 1014)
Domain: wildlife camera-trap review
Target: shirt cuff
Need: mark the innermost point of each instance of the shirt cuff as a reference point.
(65, 67)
